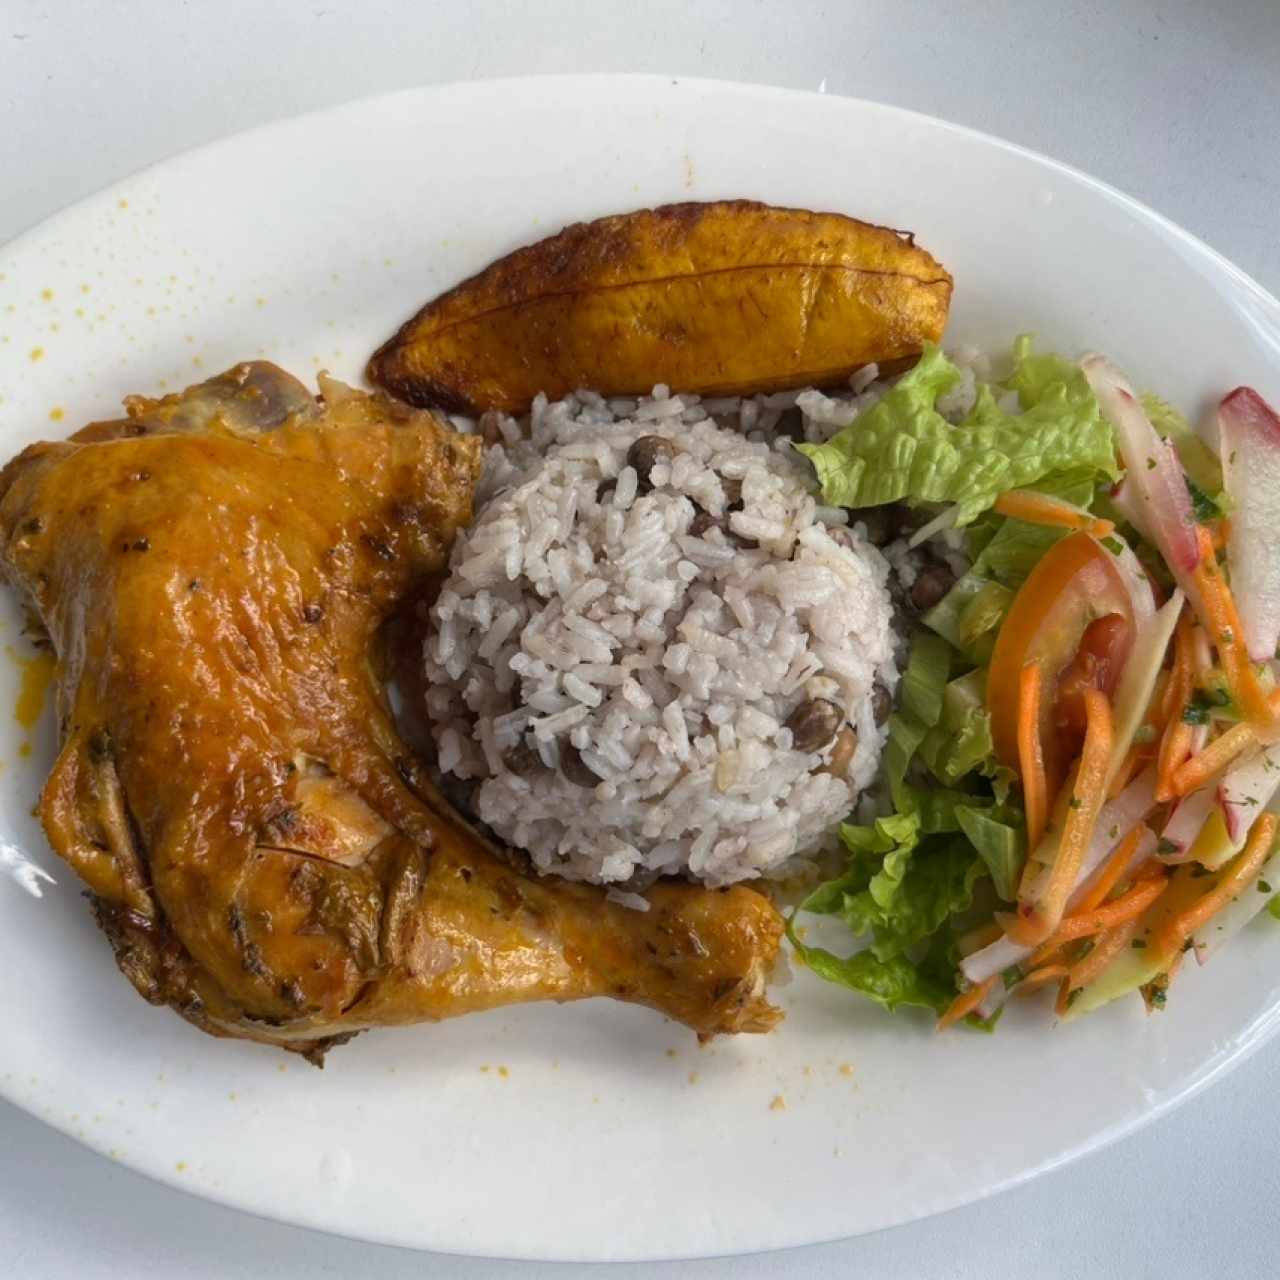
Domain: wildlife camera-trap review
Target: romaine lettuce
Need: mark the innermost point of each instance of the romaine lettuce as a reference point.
(902, 447)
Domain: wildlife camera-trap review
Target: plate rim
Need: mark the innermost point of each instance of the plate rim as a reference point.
(1241, 1047)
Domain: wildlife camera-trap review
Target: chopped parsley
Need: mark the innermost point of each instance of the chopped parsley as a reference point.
(1204, 507)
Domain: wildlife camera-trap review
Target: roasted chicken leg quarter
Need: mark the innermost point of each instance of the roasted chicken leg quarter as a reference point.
(261, 848)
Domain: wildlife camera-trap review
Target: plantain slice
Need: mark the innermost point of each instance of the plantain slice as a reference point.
(726, 298)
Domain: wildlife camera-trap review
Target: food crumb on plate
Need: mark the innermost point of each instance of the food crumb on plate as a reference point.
(779, 1103)
(846, 1068)
(693, 1077)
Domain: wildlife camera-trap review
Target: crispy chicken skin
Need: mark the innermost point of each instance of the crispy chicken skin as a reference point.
(263, 851)
(724, 298)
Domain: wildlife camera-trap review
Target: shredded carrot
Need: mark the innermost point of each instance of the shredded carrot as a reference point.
(1037, 919)
(1035, 788)
(1138, 756)
(1175, 932)
(1108, 875)
(1174, 749)
(1182, 676)
(965, 1003)
(1038, 977)
(1175, 745)
(1224, 628)
(1201, 654)
(1105, 950)
(1041, 508)
(1202, 768)
(1159, 711)
(1083, 924)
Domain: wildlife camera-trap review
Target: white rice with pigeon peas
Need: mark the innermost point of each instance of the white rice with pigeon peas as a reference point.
(655, 652)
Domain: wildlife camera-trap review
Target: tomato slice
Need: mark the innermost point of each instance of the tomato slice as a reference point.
(1103, 648)
(1074, 585)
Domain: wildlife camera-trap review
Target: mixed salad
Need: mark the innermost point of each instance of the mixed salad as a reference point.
(1086, 748)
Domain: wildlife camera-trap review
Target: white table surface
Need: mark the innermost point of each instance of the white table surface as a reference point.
(1173, 102)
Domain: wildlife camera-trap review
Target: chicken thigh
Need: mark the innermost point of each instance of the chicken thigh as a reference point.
(264, 853)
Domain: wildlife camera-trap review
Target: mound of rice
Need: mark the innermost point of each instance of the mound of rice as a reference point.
(655, 652)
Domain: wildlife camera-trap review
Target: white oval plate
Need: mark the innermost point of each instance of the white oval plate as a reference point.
(593, 1131)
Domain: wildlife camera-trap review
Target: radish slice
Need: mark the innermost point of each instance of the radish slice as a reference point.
(1246, 790)
(1116, 819)
(1128, 505)
(1185, 822)
(1152, 465)
(1250, 435)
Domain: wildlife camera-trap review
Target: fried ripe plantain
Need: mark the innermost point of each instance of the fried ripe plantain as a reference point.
(728, 298)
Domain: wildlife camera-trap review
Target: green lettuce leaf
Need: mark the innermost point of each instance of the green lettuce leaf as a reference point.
(902, 447)
(890, 983)
(895, 888)
(925, 679)
(961, 742)
(1001, 844)
(952, 619)
(1004, 553)
(934, 807)
(905, 734)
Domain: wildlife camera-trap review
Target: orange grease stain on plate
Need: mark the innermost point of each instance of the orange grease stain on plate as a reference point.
(34, 676)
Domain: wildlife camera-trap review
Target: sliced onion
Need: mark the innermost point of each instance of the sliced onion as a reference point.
(1152, 465)
(1139, 675)
(1135, 579)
